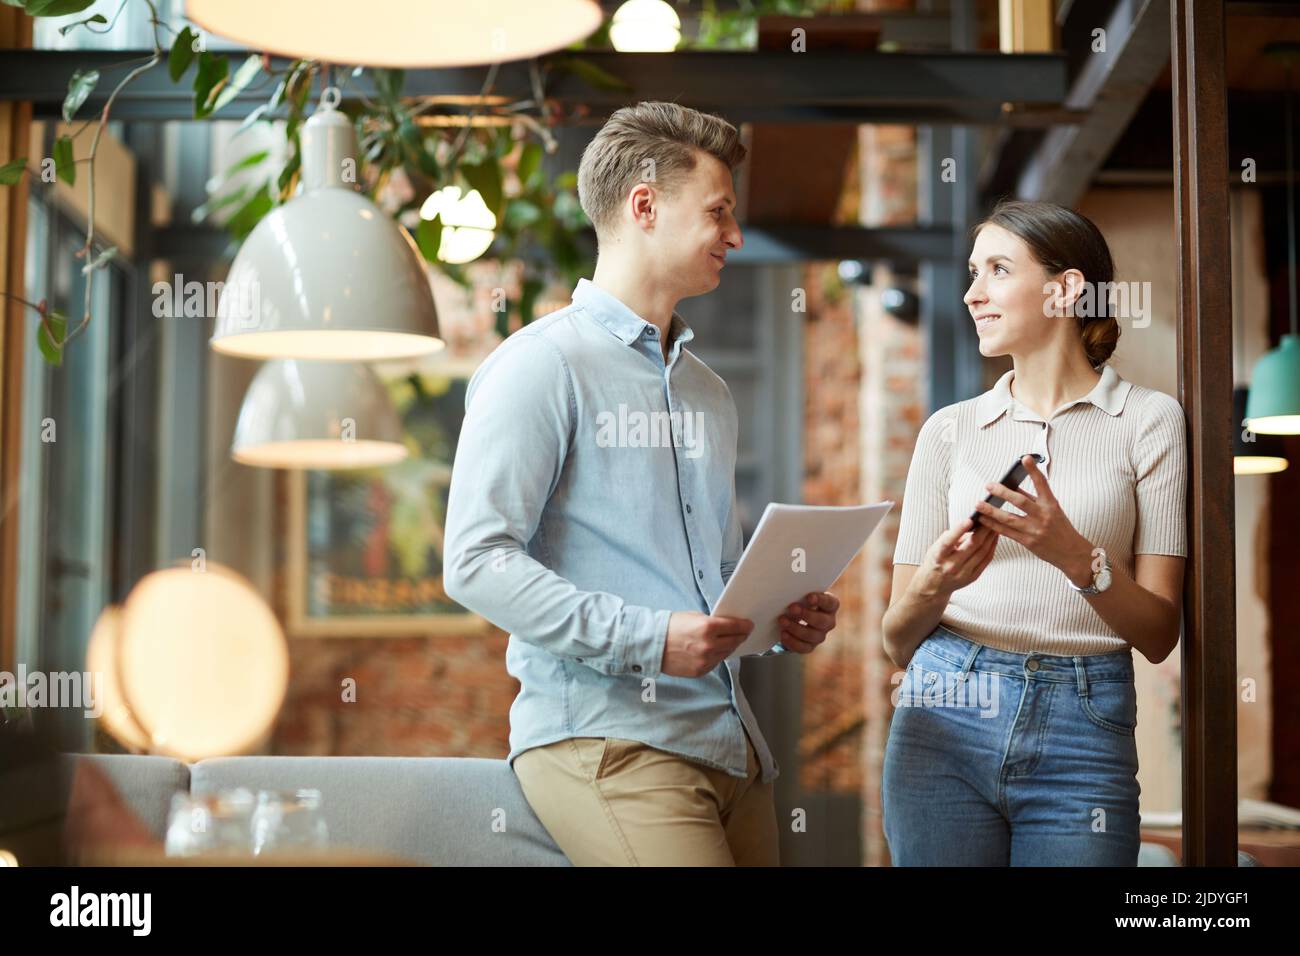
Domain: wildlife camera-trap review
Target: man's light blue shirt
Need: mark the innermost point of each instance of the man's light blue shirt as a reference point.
(593, 494)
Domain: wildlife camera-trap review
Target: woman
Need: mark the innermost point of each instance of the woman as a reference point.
(1013, 742)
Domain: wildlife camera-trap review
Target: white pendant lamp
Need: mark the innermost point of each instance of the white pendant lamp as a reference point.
(327, 415)
(401, 33)
(328, 275)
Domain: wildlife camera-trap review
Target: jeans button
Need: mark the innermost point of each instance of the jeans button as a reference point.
(701, 574)
(1032, 664)
(636, 667)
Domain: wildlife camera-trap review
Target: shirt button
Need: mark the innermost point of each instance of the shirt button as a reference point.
(1032, 664)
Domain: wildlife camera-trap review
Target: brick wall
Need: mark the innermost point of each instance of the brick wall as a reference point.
(832, 677)
(892, 411)
(415, 696)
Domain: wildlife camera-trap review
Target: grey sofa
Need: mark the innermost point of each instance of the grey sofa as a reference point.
(438, 811)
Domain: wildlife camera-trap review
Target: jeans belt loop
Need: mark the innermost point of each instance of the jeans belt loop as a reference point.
(1081, 676)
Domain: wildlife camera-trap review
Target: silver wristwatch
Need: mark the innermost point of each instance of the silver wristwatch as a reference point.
(1100, 577)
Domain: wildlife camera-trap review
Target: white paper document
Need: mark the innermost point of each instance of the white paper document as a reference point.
(794, 551)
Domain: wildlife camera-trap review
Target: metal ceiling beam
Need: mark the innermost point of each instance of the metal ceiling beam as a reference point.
(834, 86)
(1110, 86)
(767, 243)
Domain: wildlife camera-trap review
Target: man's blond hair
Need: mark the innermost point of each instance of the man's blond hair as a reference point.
(649, 142)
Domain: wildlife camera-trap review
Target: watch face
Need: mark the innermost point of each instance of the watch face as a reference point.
(1102, 580)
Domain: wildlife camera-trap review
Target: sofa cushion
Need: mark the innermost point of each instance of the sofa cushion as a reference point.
(441, 811)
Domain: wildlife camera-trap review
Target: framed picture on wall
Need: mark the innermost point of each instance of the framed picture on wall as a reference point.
(365, 548)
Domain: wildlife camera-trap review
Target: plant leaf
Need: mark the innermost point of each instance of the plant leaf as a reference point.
(64, 167)
(486, 178)
(79, 87)
(243, 76)
(389, 83)
(251, 213)
(49, 337)
(12, 171)
(286, 177)
(530, 160)
(182, 54)
(216, 183)
(212, 71)
(97, 18)
(520, 214)
(54, 8)
(591, 74)
(252, 118)
(428, 236)
(205, 210)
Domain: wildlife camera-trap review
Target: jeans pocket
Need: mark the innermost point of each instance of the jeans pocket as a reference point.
(931, 682)
(1112, 705)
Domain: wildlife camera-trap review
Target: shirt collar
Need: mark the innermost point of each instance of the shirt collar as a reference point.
(1109, 394)
(614, 315)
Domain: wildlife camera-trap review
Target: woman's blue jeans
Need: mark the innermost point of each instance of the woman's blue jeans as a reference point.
(1003, 759)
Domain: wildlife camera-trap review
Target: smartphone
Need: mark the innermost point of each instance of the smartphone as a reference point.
(1012, 479)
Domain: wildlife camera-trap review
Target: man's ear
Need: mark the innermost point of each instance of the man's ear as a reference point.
(643, 202)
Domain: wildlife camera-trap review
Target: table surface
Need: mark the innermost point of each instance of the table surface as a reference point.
(151, 856)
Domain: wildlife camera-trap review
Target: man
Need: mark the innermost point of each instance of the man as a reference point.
(593, 515)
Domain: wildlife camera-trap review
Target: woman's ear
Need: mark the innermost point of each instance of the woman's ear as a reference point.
(1072, 284)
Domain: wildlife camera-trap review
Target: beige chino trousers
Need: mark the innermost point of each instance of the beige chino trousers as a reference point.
(613, 802)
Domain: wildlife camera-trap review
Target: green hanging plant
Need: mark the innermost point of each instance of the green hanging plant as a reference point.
(538, 219)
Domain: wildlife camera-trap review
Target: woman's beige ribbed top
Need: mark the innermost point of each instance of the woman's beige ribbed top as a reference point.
(1115, 461)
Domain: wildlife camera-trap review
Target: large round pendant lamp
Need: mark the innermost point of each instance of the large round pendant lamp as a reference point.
(401, 33)
(102, 659)
(202, 663)
(328, 275)
(327, 415)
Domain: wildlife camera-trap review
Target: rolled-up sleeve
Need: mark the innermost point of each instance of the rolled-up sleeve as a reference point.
(520, 410)
(925, 497)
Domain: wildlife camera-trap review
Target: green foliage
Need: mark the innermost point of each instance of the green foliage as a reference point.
(79, 87)
(51, 335)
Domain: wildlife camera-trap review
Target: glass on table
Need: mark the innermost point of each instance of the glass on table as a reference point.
(205, 823)
(288, 820)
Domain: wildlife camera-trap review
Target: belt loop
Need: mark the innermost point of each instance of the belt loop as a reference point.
(1081, 676)
(970, 658)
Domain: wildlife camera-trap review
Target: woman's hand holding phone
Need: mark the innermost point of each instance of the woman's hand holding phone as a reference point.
(1043, 529)
(956, 559)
